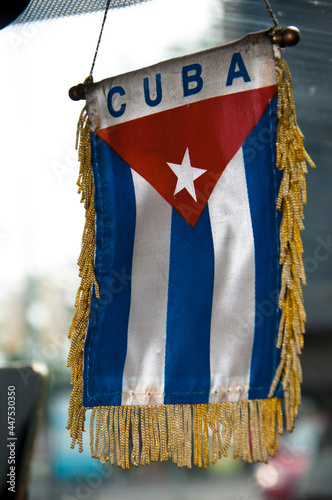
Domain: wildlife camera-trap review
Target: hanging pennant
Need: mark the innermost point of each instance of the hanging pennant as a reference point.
(189, 317)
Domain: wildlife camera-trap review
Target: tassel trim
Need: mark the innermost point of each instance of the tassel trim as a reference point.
(292, 159)
(77, 332)
(186, 434)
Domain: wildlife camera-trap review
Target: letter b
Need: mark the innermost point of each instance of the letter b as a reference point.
(193, 78)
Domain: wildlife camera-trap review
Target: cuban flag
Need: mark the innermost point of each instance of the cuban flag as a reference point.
(187, 231)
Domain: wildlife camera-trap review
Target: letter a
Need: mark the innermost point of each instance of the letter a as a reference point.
(241, 72)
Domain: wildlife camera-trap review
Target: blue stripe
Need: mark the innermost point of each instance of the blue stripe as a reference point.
(106, 342)
(263, 181)
(190, 291)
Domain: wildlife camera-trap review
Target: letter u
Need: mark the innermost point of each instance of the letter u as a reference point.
(146, 86)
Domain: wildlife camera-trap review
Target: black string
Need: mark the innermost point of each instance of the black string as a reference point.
(272, 14)
(90, 79)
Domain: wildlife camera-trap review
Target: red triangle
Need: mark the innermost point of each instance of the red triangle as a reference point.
(213, 130)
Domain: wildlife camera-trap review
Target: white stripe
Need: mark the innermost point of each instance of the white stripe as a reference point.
(233, 311)
(257, 55)
(143, 377)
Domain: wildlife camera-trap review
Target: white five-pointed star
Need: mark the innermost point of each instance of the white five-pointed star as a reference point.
(186, 175)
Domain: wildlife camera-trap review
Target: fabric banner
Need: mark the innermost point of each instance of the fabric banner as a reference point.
(185, 309)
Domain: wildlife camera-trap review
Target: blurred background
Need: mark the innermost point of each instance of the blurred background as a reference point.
(41, 222)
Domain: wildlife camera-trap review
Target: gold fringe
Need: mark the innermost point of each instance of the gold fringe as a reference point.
(251, 425)
(292, 159)
(76, 413)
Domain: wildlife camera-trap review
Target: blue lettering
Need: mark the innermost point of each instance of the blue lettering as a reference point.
(148, 100)
(115, 112)
(242, 72)
(192, 78)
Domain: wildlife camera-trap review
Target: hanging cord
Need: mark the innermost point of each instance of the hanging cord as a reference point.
(89, 79)
(272, 14)
(283, 37)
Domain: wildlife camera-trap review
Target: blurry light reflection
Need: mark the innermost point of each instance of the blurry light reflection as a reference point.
(267, 475)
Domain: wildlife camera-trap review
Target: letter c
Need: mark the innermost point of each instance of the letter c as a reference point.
(116, 113)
